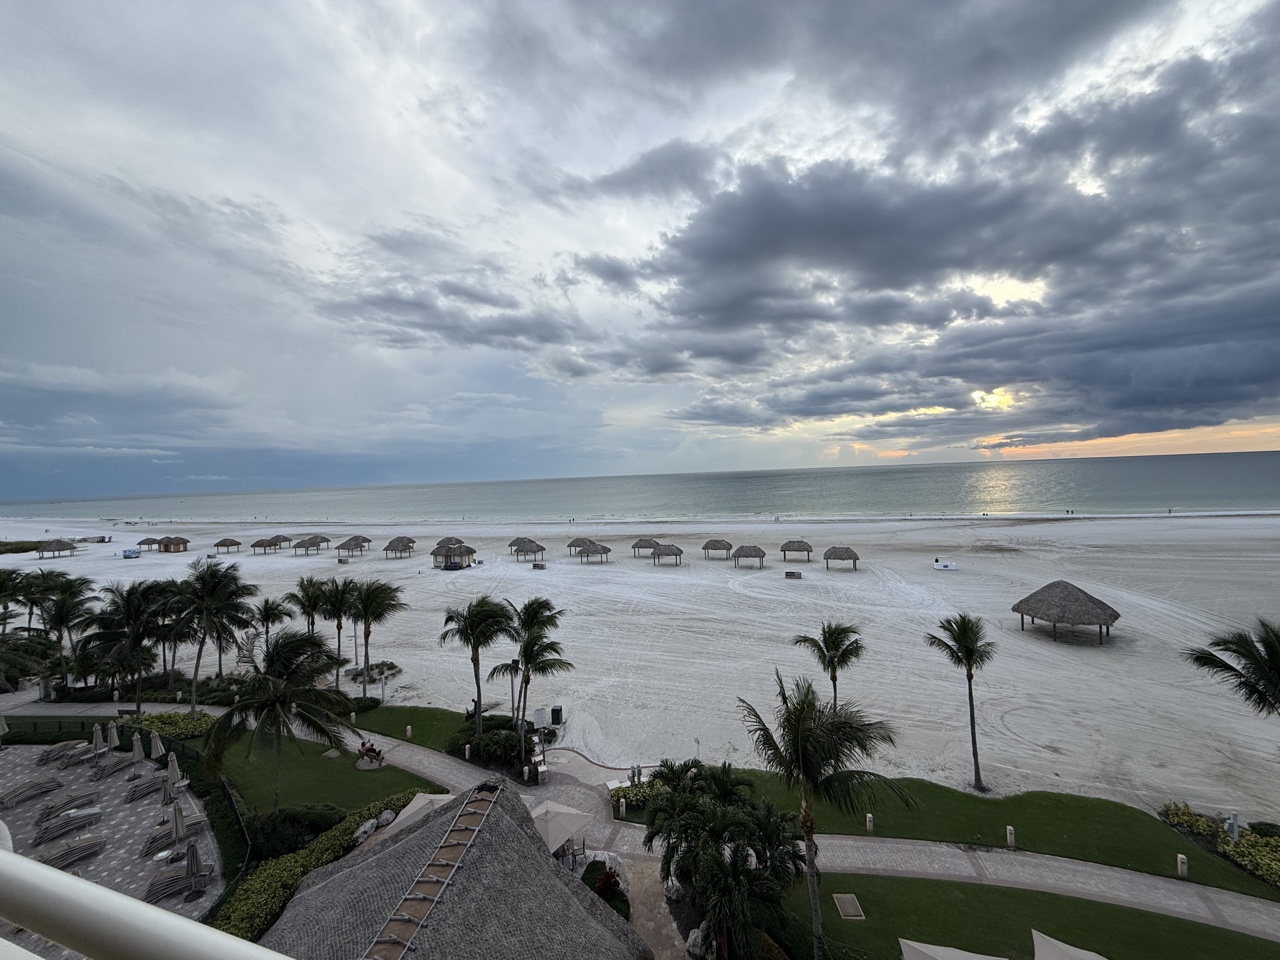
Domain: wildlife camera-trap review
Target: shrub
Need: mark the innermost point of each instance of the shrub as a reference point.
(20, 546)
(1255, 852)
(365, 704)
(498, 746)
(1264, 828)
(604, 881)
(607, 884)
(264, 894)
(179, 726)
(276, 834)
(636, 796)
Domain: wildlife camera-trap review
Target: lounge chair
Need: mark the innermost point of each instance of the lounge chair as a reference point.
(73, 851)
(164, 835)
(65, 823)
(66, 803)
(57, 751)
(25, 791)
(74, 757)
(141, 788)
(113, 766)
(188, 877)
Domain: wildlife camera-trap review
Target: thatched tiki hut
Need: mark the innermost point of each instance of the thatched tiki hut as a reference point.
(529, 549)
(717, 546)
(227, 544)
(666, 550)
(280, 539)
(400, 546)
(352, 545)
(840, 553)
(595, 550)
(448, 542)
(749, 551)
(55, 547)
(1063, 602)
(148, 543)
(264, 545)
(511, 547)
(458, 553)
(577, 543)
(797, 546)
(644, 543)
(174, 544)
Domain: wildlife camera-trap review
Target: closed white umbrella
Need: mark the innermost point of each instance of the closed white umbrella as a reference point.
(97, 739)
(4, 727)
(166, 791)
(179, 822)
(157, 748)
(927, 951)
(139, 755)
(1048, 948)
(113, 736)
(175, 775)
(556, 823)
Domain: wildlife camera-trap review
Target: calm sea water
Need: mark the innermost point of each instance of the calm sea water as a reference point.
(1231, 482)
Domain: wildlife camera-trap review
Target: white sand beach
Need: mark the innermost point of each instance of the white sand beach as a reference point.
(663, 653)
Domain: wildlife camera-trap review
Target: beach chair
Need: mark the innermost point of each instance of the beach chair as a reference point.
(73, 851)
(25, 791)
(189, 877)
(57, 751)
(76, 757)
(141, 788)
(65, 823)
(113, 766)
(66, 803)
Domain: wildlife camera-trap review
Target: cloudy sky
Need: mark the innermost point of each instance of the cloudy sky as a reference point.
(308, 243)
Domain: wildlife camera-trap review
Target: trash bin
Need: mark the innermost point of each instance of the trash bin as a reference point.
(557, 716)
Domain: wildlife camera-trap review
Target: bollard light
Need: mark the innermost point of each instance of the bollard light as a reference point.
(466, 755)
(526, 773)
(1182, 865)
(871, 823)
(408, 732)
(1010, 838)
(622, 807)
(353, 718)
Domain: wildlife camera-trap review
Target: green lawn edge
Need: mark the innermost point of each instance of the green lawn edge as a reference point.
(998, 921)
(433, 727)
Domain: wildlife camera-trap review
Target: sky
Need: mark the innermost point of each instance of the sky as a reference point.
(302, 244)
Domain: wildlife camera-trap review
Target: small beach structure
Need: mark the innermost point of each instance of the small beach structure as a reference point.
(511, 547)
(446, 553)
(280, 539)
(797, 546)
(717, 546)
(577, 543)
(353, 545)
(749, 551)
(228, 544)
(644, 543)
(666, 550)
(841, 553)
(448, 542)
(315, 542)
(400, 546)
(174, 544)
(529, 549)
(149, 543)
(594, 549)
(1063, 602)
(55, 547)
(264, 544)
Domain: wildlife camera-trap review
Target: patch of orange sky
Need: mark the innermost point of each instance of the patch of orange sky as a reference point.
(1228, 438)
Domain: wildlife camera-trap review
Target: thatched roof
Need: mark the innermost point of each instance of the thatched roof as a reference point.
(148, 542)
(453, 550)
(1063, 602)
(354, 543)
(447, 541)
(281, 538)
(57, 546)
(361, 537)
(749, 550)
(321, 538)
(510, 900)
(399, 545)
(840, 553)
(173, 540)
(519, 540)
(796, 546)
(264, 544)
(717, 545)
(529, 546)
(667, 550)
(579, 542)
(227, 542)
(594, 549)
(644, 543)
(306, 543)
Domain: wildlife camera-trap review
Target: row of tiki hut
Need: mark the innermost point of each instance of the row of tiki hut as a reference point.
(585, 548)
(448, 550)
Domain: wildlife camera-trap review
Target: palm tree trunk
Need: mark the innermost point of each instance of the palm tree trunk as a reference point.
(811, 873)
(364, 690)
(337, 671)
(137, 689)
(524, 709)
(833, 688)
(219, 661)
(973, 735)
(275, 796)
(195, 674)
(475, 663)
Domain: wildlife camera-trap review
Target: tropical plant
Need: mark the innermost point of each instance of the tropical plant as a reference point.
(738, 898)
(814, 749)
(835, 647)
(964, 644)
(280, 699)
(10, 594)
(65, 612)
(540, 656)
(1248, 663)
(374, 601)
(477, 626)
(339, 603)
(125, 626)
(22, 655)
(308, 599)
(212, 605)
(268, 612)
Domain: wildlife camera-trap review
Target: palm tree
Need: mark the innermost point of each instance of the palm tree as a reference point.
(279, 699)
(738, 898)
(965, 647)
(1248, 663)
(813, 751)
(339, 602)
(65, 612)
(835, 647)
(21, 655)
(477, 626)
(10, 593)
(125, 627)
(307, 599)
(540, 656)
(374, 601)
(267, 612)
(213, 605)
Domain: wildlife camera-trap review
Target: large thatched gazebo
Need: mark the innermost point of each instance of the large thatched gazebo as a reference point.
(666, 550)
(797, 546)
(717, 546)
(577, 543)
(749, 551)
(400, 546)
(228, 544)
(644, 543)
(353, 545)
(529, 549)
(458, 553)
(448, 542)
(174, 544)
(595, 550)
(280, 539)
(511, 547)
(1063, 602)
(307, 544)
(264, 544)
(55, 547)
(149, 543)
(841, 553)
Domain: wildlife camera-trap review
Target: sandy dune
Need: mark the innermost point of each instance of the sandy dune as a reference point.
(663, 653)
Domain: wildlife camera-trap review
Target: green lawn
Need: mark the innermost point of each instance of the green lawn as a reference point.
(432, 726)
(308, 777)
(1081, 828)
(999, 920)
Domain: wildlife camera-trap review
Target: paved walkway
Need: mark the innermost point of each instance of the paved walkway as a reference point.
(576, 781)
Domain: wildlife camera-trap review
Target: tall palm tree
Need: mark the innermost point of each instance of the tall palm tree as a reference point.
(213, 605)
(124, 628)
(21, 655)
(374, 601)
(813, 750)
(35, 589)
(477, 626)
(835, 647)
(539, 656)
(279, 699)
(965, 646)
(65, 612)
(10, 594)
(307, 599)
(1248, 663)
(268, 612)
(339, 603)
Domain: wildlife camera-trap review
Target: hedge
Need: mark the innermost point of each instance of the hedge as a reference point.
(264, 894)
(1255, 853)
(179, 726)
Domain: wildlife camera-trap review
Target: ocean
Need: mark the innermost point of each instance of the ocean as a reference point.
(1197, 483)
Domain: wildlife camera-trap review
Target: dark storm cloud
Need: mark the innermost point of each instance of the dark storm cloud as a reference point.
(674, 168)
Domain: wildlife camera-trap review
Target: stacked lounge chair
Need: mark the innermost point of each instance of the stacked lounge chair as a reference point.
(72, 802)
(65, 823)
(73, 851)
(25, 791)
